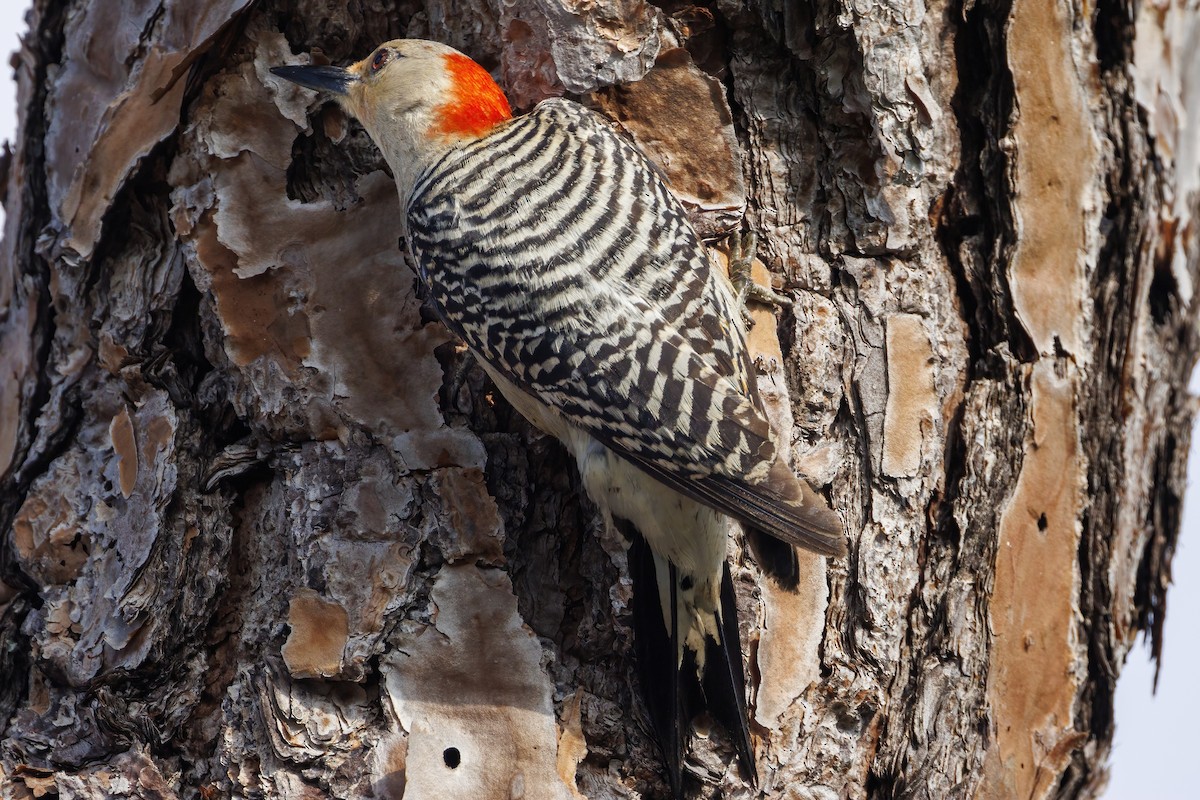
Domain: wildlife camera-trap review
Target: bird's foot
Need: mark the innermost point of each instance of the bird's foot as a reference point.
(741, 247)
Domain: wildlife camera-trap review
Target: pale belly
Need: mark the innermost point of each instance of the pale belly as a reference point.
(691, 535)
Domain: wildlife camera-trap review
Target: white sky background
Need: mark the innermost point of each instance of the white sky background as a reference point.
(1157, 736)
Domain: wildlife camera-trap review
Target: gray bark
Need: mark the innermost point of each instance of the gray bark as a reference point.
(269, 532)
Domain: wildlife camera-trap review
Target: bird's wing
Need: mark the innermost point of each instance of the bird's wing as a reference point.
(639, 387)
(694, 431)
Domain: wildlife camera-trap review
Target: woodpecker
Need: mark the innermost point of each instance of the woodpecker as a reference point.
(558, 254)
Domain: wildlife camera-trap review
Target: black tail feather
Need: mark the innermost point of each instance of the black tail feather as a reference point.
(672, 691)
(775, 557)
(657, 663)
(725, 679)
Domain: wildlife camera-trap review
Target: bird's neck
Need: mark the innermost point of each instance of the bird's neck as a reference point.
(415, 136)
(408, 156)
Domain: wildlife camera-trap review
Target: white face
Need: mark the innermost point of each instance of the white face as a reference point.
(415, 98)
(402, 81)
(395, 93)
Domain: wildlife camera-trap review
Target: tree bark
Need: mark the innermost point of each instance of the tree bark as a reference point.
(269, 531)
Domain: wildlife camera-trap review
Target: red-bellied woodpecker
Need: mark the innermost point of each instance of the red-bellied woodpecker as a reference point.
(558, 254)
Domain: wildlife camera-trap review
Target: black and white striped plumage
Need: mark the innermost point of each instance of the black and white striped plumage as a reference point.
(555, 250)
(557, 253)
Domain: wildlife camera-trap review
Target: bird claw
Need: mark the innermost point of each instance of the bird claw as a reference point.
(742, 246)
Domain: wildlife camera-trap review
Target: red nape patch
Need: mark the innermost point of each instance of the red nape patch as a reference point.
(476, 103)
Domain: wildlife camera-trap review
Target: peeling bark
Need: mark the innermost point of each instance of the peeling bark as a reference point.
(269, 531)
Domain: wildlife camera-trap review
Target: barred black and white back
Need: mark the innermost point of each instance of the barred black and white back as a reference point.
(556, 251)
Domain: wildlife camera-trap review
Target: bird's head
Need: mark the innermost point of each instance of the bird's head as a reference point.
(415, 98)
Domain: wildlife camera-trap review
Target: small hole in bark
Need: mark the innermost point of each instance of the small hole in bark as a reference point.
(452, 757)
(1042, 522)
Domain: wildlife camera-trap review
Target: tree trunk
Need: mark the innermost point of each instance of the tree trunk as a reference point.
(270, 532)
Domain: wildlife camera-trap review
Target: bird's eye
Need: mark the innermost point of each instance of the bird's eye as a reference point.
(381, 58)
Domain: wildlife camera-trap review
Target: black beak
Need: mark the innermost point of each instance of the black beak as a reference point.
(334, 80)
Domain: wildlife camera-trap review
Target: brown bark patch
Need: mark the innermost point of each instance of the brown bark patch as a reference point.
(49, 536)
(124, 443)
(1056, 165)
(789, 647)
(255, 312)
(1033, 613)
(136, 121)
(792, 621)
(472, 520)
(680, 119)
(572, 747)
(912, 402)
(319, 632)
